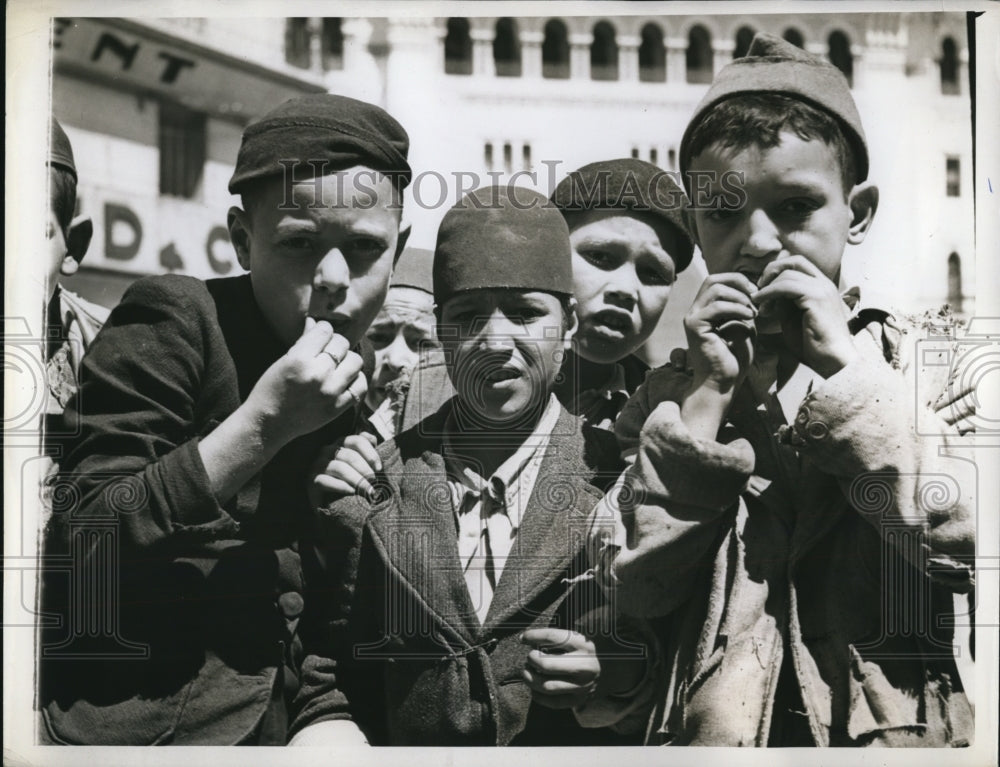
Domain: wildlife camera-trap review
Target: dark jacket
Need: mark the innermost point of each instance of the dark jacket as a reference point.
(178, 615)
(393, 641)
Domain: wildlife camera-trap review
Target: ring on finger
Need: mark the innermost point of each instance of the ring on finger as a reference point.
(331, 355)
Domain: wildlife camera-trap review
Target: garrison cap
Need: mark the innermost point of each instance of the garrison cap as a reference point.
(629, 185)
(322, 133)
(502, 237)
(414, 269)
(60, 150)
(773, 65)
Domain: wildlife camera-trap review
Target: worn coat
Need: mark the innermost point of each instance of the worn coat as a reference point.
(392, 637)
(817, 565)
(177, 615)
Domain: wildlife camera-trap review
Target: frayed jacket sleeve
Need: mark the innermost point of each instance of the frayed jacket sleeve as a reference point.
(679, 495)
(893, 454)
(136, 456)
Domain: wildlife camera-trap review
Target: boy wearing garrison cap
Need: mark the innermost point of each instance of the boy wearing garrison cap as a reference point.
(779, 479)
(201, 407)
(477, 530)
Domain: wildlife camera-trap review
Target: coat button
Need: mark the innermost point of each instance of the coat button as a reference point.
(291, 604)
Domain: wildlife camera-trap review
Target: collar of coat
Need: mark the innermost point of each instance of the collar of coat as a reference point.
(412, 525)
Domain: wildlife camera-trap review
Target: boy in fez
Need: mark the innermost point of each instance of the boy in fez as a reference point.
(630, 241)
(201, 406)
(467, 562)
(780, 479)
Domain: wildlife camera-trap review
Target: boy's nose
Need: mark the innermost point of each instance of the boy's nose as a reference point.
(623, 288)
(761, 237)
(332, 272)
(497, 332)
(397, 355)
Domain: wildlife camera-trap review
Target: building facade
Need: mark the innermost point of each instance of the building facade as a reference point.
(155, 110)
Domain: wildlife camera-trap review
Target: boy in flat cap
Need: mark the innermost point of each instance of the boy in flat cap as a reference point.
(477, 530)
(779, 481)
(201, 407)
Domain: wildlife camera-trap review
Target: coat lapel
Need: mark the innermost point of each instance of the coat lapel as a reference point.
(554, 528)
(414, 533)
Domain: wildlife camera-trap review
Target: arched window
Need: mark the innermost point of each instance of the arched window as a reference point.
(840, 54)
(297, 42)
(793, 36)
(507, 49)
(955, 282)
(699, 55)
(949, 67)
(652, 55)
(604, 53)
(555, 50)
(333, 44)
(458, 48)
(744, 36)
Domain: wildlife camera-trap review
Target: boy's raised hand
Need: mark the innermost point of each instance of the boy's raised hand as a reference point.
(314, 382)
(720, 330)
(812, 313)
(346, 469)
(562, 669)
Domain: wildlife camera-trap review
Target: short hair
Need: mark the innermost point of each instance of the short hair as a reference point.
(62, 195)
(757, 119)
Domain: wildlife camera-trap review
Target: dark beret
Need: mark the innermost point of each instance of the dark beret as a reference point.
(630, 185)
(773, 65)
(502, 237)
(323, 133)
(60, 150)
(414, 269)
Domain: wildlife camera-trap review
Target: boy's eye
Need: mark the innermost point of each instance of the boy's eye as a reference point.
(367, 248)
(798, 207)
(655, 277)
(599, 258)
(721, 213)
(297, 243)
(379, 340)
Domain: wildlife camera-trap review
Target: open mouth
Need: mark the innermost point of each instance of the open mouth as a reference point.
(502, 374)
(753, 276)
(614, 320)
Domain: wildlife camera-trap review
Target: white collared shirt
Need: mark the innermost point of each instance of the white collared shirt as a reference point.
(488, 512)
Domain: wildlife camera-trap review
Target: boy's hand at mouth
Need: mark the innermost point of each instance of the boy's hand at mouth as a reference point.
(812, 313)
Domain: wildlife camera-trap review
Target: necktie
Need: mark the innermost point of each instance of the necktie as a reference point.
(477, 553)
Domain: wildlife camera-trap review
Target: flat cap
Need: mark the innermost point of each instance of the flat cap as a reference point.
(629, 185)
(502, 237)
(322, 133)
(414, 269)
(773, 65)
(60, 150)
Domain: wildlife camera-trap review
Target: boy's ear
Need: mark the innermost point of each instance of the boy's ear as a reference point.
(78, 237)
(404, 236)
(863, 201)
(239, 234)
